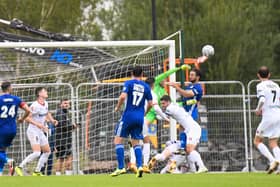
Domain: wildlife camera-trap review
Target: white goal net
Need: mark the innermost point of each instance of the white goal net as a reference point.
(90, 74)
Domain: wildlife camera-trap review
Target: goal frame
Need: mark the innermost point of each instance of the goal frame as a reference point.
(86, 44)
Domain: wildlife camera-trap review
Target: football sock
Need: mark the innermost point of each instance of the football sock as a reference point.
(43, 159)
(132, 156)
(120, 155)
(195, 157)
(3, 160)
(3, 157)
(276, 152)
(183, 139)
(146, 153)
(138, 155)
(30, 158)
(264, 150)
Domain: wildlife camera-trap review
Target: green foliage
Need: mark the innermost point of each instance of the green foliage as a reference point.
(63, 16)
(243, 32)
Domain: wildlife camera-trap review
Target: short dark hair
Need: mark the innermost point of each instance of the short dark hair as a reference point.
(165, 98)
(38, 90)
(150, 81)
(137, 71)
(5, 86)
(263, 72)
(197, 72)
(63, 99)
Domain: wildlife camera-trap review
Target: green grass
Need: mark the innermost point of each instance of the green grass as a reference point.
(152, 180)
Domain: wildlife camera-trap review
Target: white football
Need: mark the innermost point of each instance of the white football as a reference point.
(208, 50)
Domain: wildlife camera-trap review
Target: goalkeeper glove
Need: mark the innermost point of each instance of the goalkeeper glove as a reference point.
(185, 66)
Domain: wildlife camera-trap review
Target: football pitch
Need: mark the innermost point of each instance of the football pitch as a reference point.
(148, 180)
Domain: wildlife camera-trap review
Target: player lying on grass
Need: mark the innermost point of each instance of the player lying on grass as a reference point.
(191, 128)
(170, 152)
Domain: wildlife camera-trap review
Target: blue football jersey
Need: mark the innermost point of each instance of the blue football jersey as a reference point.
(190, 103)
(8, 112)
(137, 93)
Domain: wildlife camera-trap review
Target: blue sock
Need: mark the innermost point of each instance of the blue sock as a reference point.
(183, 139)
(3, 160)
(3, 157)
(138, 155)
(120, 155)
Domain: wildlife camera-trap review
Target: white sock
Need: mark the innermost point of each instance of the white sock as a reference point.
(192, 167)
(276, 152)
(264, 151)
(146, 153)
(43, 159)
(68, 172)
(132, 156)
(160, 157)
(195, 157)
(1, 173)
(57, 173)
(30, 158)
(163, 171)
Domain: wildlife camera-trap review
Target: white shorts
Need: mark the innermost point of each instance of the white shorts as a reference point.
(269, 127)
(36, 137)
(180, 159)
(173, 147)
(193, 136)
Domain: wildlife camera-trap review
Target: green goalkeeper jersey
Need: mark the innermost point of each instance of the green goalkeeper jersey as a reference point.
(159, 91)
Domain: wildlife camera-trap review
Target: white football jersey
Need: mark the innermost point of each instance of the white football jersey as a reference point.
(182, 117)
(39, 113)
(271, 92)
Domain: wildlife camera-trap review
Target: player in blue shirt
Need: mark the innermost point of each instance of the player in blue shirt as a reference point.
(9, 105)
(192, 94)
(135, 93)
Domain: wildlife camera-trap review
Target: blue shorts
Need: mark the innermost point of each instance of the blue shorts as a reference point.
(6, 139)
(130, 126)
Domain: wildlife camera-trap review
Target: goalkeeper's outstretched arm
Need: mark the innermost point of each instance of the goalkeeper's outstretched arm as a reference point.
(164, 75)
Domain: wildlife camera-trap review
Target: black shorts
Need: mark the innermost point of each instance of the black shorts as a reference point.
(63, 151)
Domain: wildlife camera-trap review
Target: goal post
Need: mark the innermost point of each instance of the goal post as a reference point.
(98, 63)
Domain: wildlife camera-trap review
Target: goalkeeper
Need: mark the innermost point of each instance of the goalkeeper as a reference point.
(158, 90)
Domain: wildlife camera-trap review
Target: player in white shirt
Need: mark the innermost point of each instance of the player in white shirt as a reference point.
(35, 132)
(191, 128)
(156, 110)
(268, 93)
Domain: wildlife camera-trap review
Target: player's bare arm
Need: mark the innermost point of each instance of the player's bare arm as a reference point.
(149, 106)
(161, 113)
(258, 110)
(120, 101)
(26, 114)
(52, 120)
(29, 119)
(184, 93)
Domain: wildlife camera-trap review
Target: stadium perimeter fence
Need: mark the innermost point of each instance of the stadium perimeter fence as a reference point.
(226, 143)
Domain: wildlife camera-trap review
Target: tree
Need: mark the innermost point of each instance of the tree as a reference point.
(241, 31)
(63, 16)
